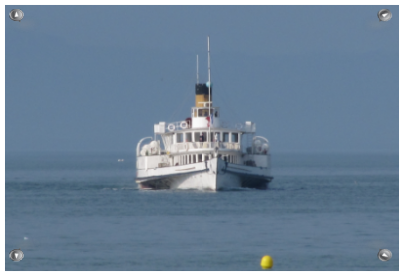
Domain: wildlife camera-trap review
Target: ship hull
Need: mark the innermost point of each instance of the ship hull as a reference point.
(214, 174)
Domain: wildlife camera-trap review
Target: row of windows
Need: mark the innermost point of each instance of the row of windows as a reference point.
(202, 137)
(205, 112)
(230, 158)
(195, 158)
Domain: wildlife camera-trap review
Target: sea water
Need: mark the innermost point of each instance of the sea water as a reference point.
(83, 211)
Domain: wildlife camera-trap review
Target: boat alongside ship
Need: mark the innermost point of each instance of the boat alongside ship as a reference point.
(203, 152)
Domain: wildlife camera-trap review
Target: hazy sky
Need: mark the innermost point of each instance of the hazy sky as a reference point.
(313, 78)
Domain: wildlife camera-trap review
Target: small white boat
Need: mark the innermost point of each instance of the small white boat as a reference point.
(203, 152)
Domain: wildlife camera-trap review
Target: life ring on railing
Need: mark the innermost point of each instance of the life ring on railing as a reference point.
(171, 127)
(184, 125)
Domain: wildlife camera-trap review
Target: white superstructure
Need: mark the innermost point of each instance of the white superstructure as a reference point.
(203, 152)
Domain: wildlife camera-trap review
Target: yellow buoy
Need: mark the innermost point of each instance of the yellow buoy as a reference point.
(266, 262)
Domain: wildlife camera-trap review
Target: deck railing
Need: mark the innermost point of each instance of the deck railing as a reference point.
(180, 125)
(203, 145)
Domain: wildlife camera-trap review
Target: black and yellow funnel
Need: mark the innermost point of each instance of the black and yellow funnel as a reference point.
(202, 94)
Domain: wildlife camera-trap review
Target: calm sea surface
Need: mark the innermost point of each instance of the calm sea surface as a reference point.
(83, 211)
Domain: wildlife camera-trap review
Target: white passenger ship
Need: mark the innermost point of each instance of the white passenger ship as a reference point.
(203, 152)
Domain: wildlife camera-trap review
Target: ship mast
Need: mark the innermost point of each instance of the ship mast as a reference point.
(197, 70)
(209, 104)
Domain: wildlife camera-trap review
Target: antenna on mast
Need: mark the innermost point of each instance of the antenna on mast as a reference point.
(210, 105)
(197, 70)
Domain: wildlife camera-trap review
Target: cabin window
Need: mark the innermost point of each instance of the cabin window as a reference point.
(180, 137)
(216, 113)
(199, 157)
(188, 137)
(234, 137)
(206, 157)
(196, 136)
(202, 137)
(193, 158)
(225, 137)
(204, 112)
(217, 137)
